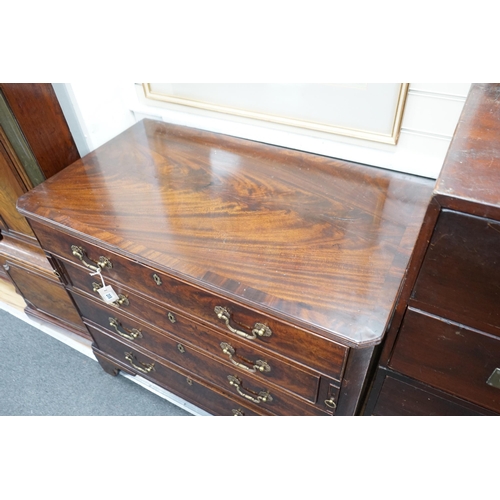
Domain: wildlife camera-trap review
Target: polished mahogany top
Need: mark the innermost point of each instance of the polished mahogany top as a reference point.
(321, 242)
(471, 170)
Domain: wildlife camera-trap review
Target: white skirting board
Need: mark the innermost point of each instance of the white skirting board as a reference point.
(84, 346)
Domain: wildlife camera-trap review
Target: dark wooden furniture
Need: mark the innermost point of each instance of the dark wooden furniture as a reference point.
(35, 143)
(249, 279)
(442, 353)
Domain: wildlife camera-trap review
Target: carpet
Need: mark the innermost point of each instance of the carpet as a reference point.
(41, 376)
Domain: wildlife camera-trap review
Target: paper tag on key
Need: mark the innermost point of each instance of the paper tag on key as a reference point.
(106, 291)
(108, 294)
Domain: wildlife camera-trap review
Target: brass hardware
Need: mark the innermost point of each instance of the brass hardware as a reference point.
(259, 366)
(494, 379)
(124, 332)
(238, 413)
(259, 329)
(262, 397)
(180, 348)
(57, 273)
(95, 266)
(331, 403)
(6, 267)
(171, 317)
(143, 367)
(189, 381)
(122, 299)
(157, 279)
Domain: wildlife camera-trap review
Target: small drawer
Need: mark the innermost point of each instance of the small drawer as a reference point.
(237, 355)
(449, 357)
(461, 271)
(218, 313)
(193, 391)
(242, 388)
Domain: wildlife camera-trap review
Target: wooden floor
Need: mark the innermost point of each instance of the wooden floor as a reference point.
(14, 304)
(9, 296)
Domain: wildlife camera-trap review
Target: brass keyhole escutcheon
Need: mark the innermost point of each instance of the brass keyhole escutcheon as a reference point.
(181, 349)
(171, 318)
(157, 279)
(189, 381)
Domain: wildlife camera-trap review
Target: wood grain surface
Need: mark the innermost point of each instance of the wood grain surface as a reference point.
(320, 242)
(471, 171)
(39, 114)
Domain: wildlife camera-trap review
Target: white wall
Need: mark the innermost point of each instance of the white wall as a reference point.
(98, 112)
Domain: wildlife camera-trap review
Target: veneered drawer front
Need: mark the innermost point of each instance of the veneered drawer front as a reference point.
(398, 398)
(193, 391)
(460, 274)
(449, 357)
(243, 388)
(290, 377)
(308, 348)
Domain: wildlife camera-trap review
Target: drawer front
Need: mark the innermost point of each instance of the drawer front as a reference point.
(449, 357)
(45, 295)
(243, 388)
(310, 349)
(290, 377)
(398, 398)
(461, 271)
(194, 392)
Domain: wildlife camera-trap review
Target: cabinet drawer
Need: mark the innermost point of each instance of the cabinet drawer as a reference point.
(290, 377)
(447, 356)
(243, 388)
(192, 390)
(398, 398)
(461, 271)
(308, 348)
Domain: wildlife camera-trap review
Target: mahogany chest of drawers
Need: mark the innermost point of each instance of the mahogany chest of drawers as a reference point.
(248, 279)
(442, 353)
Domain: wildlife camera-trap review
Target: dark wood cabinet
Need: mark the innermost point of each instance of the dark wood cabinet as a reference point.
(35, 143)
(445, 337)
(249, 279)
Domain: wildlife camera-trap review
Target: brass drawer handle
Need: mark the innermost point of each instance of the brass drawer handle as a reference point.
(143, 367)
(95, 266)
(122, 299)
(262, 397)
(259, 329)
(124, 332)
(259, 366)
(331, 403)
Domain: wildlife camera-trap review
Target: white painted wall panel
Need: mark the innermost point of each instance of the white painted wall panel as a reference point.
(451, 89)
(431, 115)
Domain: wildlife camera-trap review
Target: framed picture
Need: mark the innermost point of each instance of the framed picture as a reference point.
(370, 111)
